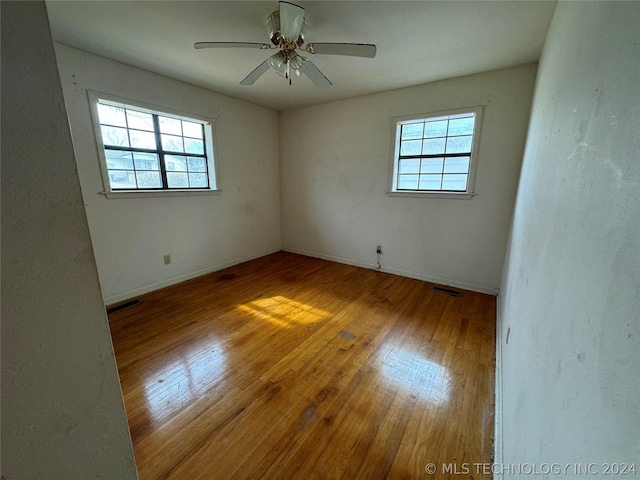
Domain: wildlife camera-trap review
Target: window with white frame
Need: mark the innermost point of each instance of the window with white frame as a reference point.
(144, 149)
(436, 153)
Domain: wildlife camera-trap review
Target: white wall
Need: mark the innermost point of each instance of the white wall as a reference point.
(201, 233)
(62, 410)
(571, 382)
(334, 177)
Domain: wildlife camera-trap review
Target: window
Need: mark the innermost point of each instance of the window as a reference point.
(142, 149)
(435, 153)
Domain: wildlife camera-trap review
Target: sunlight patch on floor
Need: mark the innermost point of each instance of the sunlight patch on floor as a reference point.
(284, 312)
(416, 373)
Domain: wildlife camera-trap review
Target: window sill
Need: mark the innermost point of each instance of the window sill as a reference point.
(448, 195)
(158, 193)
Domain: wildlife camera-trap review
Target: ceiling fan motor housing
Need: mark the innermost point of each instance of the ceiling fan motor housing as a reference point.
(275, 34)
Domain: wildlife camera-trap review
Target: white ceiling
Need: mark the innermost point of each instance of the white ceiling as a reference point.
(418, 41)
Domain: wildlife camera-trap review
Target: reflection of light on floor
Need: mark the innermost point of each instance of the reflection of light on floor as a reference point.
(184, 378)
(416, 373)
(283, 311)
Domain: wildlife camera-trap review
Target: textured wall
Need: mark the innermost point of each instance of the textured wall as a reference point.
(571, 286)
(62, 410)
(335, 170)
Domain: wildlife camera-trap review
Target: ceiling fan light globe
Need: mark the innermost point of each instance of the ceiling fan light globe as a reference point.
(278, 64)
(297, 62)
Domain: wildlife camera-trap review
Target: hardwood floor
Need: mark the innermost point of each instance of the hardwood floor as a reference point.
(291, 367)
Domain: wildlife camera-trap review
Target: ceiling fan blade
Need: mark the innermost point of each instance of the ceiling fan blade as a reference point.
(316, 76)
(256, 74)
(291, 18)
(349, 49)
(230, 45)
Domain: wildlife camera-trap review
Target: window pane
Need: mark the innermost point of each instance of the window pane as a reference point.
(146, 161)
(456, 165)
(431, 165)
(170, 125)
(110, 115)
(118, 160)
(197, 164)
(174, 163)
(407, 182)
(146, 149)
(459, 144)
(410, 165)
(430, 182)
(454, 182)
(411, 131)
(140, 139)
(411, 147)
(193, 146)
(149, 179)
(140, 120)
(191, 129)
(433, 146)
(177, 180)
(198, 180)
(172, 144)
(435, 129)
(461, 126)
(444, 153)
(115, 136)
(122, 179)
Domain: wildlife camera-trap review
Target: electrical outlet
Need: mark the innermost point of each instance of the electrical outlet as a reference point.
(379, 249)
(167, 259)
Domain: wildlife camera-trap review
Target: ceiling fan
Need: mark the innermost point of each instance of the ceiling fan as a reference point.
(286, 29)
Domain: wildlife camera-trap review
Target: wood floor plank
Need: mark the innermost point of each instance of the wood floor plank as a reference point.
(294, 367)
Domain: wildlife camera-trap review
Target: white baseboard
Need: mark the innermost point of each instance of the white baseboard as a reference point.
(498, 455)
(181, 278)
(395, 271)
